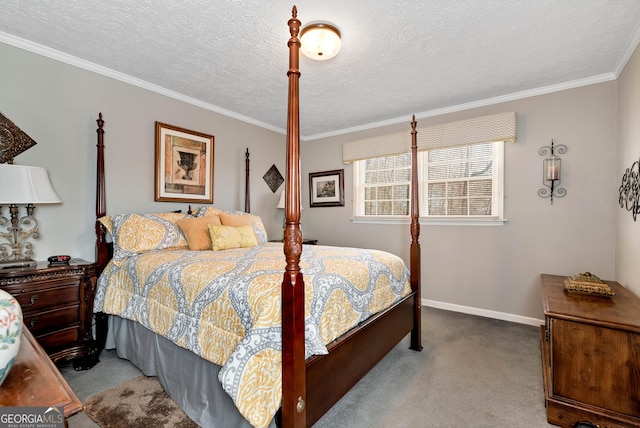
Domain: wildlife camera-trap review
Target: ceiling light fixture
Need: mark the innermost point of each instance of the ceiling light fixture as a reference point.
(320, 40)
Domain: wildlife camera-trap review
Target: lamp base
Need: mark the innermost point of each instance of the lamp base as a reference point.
(10, 264)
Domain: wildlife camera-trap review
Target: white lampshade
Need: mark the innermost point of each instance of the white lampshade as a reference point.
(281, 201)
(320, 40)
(20, 184)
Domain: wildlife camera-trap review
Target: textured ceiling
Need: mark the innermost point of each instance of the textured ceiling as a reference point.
(398, 57)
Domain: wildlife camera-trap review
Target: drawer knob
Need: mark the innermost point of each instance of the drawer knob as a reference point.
(31, 301)
(33, 322)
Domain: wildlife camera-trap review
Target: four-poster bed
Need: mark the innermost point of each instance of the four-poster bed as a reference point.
(310, 383)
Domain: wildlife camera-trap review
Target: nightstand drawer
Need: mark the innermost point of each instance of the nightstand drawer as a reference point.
(34, 301)
(43, 322)
(58, 339)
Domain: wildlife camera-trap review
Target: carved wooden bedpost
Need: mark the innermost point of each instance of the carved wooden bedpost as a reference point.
(414, 263)
(102, 255)
(102, 251)
(247, 199)
(293, 347)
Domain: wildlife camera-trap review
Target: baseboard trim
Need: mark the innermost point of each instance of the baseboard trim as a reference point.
(482, 312)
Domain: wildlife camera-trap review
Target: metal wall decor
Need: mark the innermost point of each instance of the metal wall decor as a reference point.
(630, 190)
(552, 171)
(273, 178)
(13, 140)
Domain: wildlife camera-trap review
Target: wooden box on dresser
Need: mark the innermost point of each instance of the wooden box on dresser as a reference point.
(57, 307)
(590, 356)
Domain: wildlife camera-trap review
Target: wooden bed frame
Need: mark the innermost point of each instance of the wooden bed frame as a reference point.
(309, 387)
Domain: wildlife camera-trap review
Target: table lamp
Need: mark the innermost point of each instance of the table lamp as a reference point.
(22, 185)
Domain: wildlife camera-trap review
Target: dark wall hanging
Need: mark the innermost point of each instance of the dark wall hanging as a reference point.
(273, 178)
(630, 190)
(13, 140)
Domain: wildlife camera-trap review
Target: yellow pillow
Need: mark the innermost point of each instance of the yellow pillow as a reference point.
(228, 237)
(197, 232)
(138, 233)
(235, 219)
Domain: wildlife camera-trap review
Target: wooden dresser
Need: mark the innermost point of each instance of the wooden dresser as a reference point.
(57, 307)
(590, 356)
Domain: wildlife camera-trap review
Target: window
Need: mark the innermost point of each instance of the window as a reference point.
(460, 171)
(386, 183)
(462, 182)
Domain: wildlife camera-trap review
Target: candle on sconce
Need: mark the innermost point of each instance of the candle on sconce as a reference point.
(552, 168)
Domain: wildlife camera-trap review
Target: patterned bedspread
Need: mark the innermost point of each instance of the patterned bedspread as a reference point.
(225, 306)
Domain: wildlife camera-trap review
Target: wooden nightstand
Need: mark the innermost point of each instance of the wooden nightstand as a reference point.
(57, 307)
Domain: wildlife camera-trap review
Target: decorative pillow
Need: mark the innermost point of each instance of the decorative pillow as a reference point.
(138, 233)
(107, 221)
(197, 232)
(229, 219)
(204, 211)
(228, 237)
(239, 218)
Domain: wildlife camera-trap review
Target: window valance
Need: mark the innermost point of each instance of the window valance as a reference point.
(496, 127)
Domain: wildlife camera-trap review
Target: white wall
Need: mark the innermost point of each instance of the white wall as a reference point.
(628, 230)
(496, 269)
(57, 105)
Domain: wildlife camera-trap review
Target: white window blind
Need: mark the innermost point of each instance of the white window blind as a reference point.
(464, 181)
(386, 184)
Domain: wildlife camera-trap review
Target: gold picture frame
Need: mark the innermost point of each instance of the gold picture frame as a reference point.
(184, 165)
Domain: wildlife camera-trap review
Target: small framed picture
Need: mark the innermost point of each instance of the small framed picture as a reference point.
(326, 189)
(184, 165)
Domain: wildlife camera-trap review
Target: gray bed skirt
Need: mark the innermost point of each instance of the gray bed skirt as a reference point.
(189, 380)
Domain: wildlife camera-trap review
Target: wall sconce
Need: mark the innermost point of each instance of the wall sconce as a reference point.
(320, 40)
(22, 185)
(552, 171)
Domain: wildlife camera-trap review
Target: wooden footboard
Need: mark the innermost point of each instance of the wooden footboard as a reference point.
(353, 355)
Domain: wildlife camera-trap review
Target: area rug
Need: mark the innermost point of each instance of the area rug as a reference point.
(139, 402)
